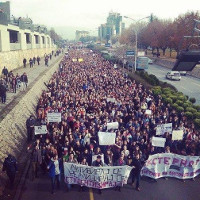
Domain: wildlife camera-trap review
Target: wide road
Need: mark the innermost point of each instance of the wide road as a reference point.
(171, 189)
(188, 85)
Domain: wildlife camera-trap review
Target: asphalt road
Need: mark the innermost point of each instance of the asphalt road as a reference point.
(188, 85)
(171, 189)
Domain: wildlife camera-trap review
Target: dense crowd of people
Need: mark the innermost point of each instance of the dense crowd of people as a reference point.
(80, 91)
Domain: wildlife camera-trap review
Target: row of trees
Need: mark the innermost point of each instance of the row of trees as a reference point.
(162, 34)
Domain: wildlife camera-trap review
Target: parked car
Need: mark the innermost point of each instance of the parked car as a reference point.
(150, 61)
(173, 75)
(183, 73)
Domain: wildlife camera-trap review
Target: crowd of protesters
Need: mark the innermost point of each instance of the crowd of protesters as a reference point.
(79, 90)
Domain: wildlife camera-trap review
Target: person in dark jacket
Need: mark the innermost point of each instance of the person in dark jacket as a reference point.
(24, 80)
(137, 164)
(38, 60)
(3, 93)
(10, 166)
(31, 62)
(98, 163)
(5, 71)
(54, 168)
(24, 62)
(34, 59)
(30, 122)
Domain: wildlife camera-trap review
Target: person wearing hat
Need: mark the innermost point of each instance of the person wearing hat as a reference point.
(10, 166)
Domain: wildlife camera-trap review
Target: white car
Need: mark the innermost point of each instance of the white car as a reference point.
(173, 75)
(150, 61)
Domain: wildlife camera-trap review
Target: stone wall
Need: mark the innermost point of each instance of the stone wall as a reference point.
(13, 133)
(14, 59)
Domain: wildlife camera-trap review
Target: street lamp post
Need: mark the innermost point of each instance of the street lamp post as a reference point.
(136, 37)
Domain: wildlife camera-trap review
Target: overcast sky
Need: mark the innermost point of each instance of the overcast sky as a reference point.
(89, 14)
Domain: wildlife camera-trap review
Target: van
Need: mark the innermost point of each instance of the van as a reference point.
(173, 75)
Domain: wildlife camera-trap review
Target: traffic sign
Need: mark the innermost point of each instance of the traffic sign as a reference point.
(130, 53)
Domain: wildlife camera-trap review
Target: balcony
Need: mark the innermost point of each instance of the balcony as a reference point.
(15, 46)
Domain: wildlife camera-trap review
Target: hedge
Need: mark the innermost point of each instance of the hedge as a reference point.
(192, 100)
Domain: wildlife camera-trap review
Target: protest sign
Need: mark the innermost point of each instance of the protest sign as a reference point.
(158, 142)
(106, 138)
(148, 112)
(112, 125)
(112, 100)
(40, 129)
(163, 128)
(177, 135)
(171, 165)
(74, 59)
(96, 177)
(94, 157)
(54, 117)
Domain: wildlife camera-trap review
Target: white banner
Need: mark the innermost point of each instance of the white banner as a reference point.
(96, 177)
(40, 129)
(54, 117)
(158, 142)
(163, 128)
(106, 138)
(177, 135)
(112, 125)
(171, 165)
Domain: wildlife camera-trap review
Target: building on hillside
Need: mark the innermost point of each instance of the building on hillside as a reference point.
(113, 26)
(80, 34)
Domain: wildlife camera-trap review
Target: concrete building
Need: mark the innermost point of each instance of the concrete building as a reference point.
(20, 38)
(80, 34)
(113, 26)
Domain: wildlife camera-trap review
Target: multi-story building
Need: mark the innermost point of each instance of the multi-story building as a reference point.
(80, 34)
(113, 26)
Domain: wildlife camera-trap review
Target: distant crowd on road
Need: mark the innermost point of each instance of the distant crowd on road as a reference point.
(80, 91)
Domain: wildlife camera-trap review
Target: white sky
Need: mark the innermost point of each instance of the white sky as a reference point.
(89, 14)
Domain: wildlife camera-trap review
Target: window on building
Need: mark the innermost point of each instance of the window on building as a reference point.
(28, 40)
(13, 35)
(36, 39)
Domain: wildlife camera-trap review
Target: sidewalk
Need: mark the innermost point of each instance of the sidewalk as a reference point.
(32, 73)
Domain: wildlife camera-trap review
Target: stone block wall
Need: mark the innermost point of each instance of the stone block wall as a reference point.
(13, 134)
(14, 59)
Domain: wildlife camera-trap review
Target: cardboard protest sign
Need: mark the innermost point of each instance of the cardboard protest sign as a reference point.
(112, 100)
(96, 177)
(163, 128)
(40, 129)
(106, 138)
(158, 142)
(54, 117)
(148, 112)
(112, 125)
(177, 135)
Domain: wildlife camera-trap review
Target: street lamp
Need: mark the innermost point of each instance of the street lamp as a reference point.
(136, 35)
